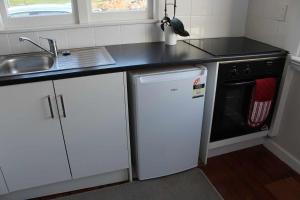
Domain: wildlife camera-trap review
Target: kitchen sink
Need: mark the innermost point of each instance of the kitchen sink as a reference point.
(40, 62)
(19, 64)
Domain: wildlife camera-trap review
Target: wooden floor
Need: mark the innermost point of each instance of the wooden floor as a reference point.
(253, 173)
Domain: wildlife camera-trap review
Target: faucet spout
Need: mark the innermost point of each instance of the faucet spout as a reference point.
(52, 45)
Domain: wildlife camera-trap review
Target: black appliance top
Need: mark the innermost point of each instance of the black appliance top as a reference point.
(232, 46)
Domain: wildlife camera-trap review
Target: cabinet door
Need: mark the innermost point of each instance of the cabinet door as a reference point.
(94, 123)
(32, 151)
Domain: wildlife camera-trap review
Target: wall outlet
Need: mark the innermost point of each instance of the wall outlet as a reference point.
(282, 12)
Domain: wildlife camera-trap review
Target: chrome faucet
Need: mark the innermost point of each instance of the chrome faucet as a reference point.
(52, 45)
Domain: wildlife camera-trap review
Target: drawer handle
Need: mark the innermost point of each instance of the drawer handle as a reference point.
(50, 106)
(63, 105)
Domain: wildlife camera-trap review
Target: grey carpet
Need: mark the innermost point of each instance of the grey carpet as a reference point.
(190, 185)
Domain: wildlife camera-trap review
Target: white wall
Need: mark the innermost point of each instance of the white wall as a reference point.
(289, 132)
(202, 18)
(263, 23)
(212, 18)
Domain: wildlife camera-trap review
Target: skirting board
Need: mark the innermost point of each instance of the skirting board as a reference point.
(283, 155)
(237, 140)
(235, 147)
(56, 188)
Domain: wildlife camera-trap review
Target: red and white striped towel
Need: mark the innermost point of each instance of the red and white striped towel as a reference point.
(261, 102)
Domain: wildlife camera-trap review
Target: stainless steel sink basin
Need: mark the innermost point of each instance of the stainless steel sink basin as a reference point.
(19, 64)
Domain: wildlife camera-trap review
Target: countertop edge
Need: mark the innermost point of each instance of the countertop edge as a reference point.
(78, 72)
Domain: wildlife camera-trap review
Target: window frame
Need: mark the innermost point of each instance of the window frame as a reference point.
(35, 21)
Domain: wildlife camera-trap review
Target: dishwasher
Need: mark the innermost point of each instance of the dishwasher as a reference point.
(166, 111)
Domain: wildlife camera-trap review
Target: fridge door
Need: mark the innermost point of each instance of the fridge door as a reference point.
(168, 115)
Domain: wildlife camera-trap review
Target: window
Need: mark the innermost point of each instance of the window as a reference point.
(109, 10)
(44, 13)
(33, 13)
(118, 5)
(26, 8)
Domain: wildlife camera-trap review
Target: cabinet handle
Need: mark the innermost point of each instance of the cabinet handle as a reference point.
(63, 105)
(50, 106)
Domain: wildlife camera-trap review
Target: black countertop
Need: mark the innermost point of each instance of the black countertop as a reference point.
(138, 56)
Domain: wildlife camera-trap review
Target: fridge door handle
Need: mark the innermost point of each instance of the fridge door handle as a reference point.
(165, 77)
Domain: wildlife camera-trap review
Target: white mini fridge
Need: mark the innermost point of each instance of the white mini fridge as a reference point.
(166, 110)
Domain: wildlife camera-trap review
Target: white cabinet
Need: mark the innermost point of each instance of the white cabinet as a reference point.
(32, 150)
(93, 118)
(48, 128)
